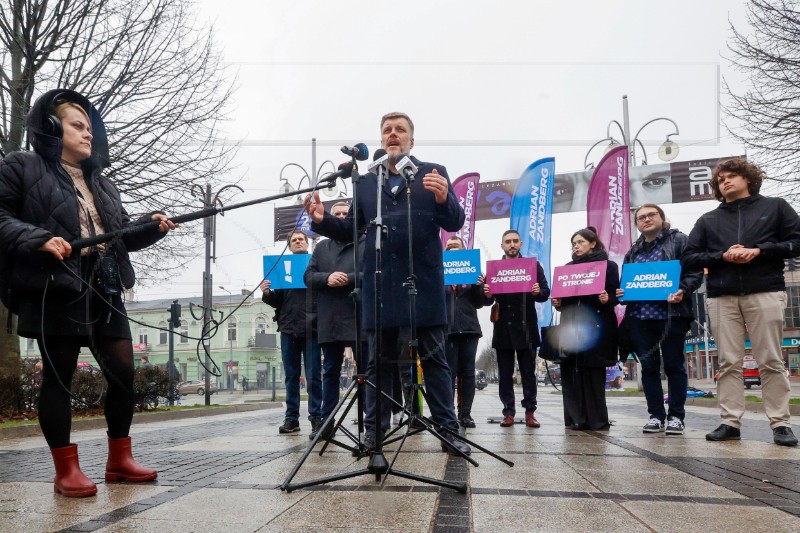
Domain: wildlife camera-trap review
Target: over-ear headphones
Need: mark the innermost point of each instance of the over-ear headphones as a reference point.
(52, 124)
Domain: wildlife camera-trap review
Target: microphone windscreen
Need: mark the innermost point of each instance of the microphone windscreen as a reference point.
(380, 152)
(363, 152)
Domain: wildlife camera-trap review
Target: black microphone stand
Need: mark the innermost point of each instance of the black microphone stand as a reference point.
(328, 428)
(377, 462)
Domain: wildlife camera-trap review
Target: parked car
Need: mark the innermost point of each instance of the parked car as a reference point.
(750, 374)
(545, 379)
(480, 380)
(195, 386)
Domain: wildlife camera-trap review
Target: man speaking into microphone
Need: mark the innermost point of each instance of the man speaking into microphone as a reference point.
(434, 206)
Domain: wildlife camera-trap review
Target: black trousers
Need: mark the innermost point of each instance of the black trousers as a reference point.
(461, 351)
(527, 370)
(59, 360)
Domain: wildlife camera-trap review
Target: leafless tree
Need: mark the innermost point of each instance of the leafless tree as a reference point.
(487, 361)
(154, 74)
(766, 115)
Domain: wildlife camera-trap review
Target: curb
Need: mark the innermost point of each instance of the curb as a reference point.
(32, 430)
(794, 409)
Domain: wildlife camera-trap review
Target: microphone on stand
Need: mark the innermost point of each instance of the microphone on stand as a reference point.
(380, 159)
(406, 168)
(345, 170)
(359, 151)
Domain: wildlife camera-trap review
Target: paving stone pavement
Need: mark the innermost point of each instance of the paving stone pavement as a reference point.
(224, 472)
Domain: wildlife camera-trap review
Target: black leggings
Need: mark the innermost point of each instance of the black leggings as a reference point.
(60, 358)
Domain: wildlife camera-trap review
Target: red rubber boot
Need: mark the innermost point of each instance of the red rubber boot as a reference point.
(121, 465)
(69, 480)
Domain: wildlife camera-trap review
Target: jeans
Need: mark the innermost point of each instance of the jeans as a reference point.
(645, 335)
(527, 370)
(461, 351)
(331, 375)
(292, 348)
(438, 382)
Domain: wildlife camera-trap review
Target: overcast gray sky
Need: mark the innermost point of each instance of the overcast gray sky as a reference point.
(491, 86)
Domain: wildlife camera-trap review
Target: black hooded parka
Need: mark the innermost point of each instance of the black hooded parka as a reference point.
(39, 201)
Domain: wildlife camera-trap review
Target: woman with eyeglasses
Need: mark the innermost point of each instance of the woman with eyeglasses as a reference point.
(588, 338)
(66, 298)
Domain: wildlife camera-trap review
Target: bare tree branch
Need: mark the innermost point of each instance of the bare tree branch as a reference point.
(157, 78)
(766, 116)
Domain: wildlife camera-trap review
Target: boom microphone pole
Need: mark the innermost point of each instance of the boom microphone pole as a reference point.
(188, 217)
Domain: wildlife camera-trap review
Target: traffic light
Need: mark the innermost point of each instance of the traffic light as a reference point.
(175, 314)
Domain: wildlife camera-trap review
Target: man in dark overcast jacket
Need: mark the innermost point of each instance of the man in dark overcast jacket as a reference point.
(516, 330)
(296, 312)
(331, 275)
(743, 244)
(434, 206)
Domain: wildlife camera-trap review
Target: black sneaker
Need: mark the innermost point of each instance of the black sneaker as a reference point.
(724, 432)
(289, 426)
(316, 423)
(654, 425)
(369, 441)
(783, 436)
(466, 421)
(675, 426)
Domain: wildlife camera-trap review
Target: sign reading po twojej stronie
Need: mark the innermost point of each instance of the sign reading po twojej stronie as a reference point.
(286, 272)
(579, 280)
(461, 267)
(650, 281)
(505, 276)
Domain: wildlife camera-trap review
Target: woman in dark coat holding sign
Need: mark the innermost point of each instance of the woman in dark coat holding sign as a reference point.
(588, 339)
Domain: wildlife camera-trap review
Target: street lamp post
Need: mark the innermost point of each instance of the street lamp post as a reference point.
(287, 187)
(667, 151)
(230, 339)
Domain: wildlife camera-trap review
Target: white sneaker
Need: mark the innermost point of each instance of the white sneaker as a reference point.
(395, 419)
(675, 426)
(654, 425)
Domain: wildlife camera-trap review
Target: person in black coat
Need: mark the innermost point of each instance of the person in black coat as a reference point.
(331, 275)
(434, 206)
(516, 329)
(296, 315)
(463, 333)
(588, 337)
(49, 197)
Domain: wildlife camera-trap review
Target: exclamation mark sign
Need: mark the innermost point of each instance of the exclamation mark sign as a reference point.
(287, 266)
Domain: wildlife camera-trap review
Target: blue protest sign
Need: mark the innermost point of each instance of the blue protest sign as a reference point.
(461, 267)
(288, 273)
(650, 281)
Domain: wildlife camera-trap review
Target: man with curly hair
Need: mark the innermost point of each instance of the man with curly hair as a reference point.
(743, 244)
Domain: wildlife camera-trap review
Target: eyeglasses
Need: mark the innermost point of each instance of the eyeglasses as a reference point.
(646, 216)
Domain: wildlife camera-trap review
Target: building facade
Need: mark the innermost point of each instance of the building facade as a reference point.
(245, 345)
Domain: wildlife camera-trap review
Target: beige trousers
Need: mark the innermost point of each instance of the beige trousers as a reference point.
(760, 315)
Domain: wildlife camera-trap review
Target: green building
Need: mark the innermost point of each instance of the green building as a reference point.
(244, 345)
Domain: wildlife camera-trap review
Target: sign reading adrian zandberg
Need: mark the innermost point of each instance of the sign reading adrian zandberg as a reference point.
(650, 281)
(579, 280)
(461, 267)
(505, 276)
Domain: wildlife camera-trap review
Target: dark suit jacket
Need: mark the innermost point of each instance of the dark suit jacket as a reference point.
(427, 218)
(517, 327)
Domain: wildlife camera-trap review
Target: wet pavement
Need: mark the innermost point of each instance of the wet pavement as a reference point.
(223, 472)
